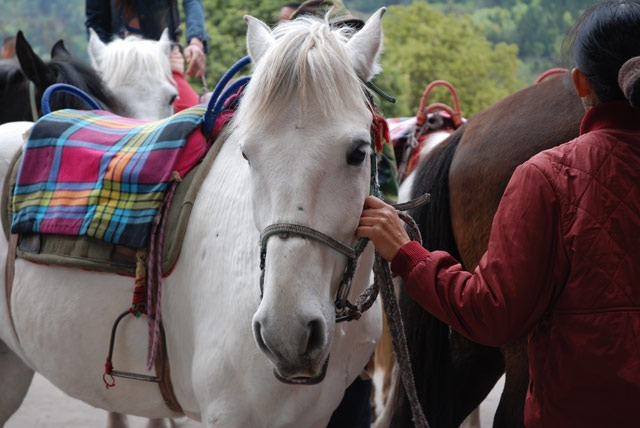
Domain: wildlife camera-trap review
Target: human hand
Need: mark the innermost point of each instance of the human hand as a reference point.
(380, 223)
(176, 60)
(194, 54)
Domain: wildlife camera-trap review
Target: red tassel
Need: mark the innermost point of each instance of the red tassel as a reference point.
(108, 368)
(380, 130)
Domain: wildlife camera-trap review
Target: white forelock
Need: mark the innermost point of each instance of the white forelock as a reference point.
(126, 61)
(309, 64)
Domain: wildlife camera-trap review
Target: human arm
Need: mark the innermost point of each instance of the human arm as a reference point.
(517, 277)
(197, 37)
(98, 17)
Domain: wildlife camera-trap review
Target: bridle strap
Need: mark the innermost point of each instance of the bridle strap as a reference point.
(32, 101)
(286, 229)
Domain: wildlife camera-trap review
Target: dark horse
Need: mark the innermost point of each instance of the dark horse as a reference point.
(466, 176)
(15, 76)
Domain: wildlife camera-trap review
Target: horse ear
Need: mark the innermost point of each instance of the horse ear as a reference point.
(165, 42)
(259, 38)
(59, 51)
(32, 66)
(96, 49)
(366, 45)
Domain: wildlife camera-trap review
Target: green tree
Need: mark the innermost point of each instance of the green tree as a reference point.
(44, 22)
(538, 27)
(423, 44)
(227, 28)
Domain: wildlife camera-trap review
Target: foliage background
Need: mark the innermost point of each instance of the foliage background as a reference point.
(486, 48)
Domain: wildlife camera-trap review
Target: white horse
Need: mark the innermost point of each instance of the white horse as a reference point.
(304, 126)
(138, 72)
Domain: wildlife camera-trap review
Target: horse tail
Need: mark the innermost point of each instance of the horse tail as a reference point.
(428, 337)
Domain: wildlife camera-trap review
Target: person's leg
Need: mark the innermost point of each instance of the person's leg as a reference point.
(354, 410)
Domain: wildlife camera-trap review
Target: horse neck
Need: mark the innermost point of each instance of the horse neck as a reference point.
(80, 75)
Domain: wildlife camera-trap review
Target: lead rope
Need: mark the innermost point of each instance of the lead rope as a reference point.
(382, 274)
(383, 284)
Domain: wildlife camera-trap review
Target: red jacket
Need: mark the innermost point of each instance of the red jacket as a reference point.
(563, 265)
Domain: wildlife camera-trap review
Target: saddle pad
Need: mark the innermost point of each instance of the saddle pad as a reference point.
(94, 254)
(95, 174)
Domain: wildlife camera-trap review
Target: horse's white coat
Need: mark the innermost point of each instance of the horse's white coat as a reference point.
(298, 173)
(137, 71)
(404, 191)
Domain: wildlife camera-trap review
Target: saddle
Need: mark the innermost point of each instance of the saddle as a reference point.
(92, 252)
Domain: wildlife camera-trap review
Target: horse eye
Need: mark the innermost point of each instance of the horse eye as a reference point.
(357, 156)
(172, 99)
(245, 156)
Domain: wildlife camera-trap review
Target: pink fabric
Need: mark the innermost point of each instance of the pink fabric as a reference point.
(194, 150)
(187, 97)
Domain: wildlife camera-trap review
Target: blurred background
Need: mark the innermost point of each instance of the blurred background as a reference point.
(486, 48)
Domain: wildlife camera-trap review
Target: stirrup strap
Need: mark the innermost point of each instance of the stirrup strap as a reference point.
(9, 273)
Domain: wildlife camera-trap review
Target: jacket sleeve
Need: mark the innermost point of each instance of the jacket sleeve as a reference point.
(194, 21)
(98, 17)
(517, 278)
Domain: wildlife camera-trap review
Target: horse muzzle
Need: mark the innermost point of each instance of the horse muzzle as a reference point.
(298, 349)
(304, 380)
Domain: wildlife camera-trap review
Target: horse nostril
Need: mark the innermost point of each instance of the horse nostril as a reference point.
(315, 339)
(257, 333)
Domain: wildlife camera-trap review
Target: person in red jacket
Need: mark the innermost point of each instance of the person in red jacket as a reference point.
(563, 261)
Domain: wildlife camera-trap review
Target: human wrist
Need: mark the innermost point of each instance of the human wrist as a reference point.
(197, 43)
(407, 256)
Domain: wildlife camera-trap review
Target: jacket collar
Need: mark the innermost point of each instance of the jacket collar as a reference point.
(614, 114)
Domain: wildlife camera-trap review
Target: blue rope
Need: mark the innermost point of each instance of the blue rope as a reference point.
(216, 102)
(63, 87)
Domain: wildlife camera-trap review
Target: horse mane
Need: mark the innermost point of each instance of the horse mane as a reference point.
(76, 73)
(309, 60)
(133, 53)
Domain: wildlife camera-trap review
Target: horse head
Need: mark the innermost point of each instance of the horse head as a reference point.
(138, 72)
(304, 127)
(62, 68)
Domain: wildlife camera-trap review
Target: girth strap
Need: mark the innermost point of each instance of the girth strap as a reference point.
(9, 273)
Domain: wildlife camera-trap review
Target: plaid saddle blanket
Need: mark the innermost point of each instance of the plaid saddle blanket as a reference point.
(92, 173)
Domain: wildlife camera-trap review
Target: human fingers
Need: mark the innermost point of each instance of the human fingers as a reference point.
(188, 54)
(366, 231)
(373, 202)
(196, 67)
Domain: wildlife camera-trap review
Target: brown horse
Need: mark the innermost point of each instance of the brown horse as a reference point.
(466, 176)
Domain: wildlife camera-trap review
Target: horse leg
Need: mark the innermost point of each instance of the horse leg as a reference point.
(15, 378)
(384, 362)
(157, 423)
(385, 416)
(473, 420)
(117, 420)
(510, 412)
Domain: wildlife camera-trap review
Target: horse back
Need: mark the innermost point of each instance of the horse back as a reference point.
(496, 141)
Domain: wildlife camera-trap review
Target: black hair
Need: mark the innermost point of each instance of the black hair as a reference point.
(292, 5)
(10, 39)
(605, 37)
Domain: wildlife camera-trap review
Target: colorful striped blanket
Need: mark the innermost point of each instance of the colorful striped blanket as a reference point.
(98, 174)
